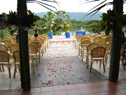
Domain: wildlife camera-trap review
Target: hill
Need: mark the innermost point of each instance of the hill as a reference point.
(78, 16)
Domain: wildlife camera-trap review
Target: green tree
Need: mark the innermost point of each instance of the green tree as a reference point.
(2, 27)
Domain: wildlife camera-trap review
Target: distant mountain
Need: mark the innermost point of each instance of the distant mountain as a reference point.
(78, 16)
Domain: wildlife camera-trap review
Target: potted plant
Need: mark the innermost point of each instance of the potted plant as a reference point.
(65, 27)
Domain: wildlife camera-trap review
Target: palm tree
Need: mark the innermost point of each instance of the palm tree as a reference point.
(116, 43)
(23, 46)
(23, 40)
(116, 36)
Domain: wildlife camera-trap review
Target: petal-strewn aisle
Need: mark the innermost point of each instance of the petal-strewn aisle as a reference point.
(60, 65)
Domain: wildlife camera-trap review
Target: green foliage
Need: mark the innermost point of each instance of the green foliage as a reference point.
(25, 21)
(4, 33)
(90, 26)
(2, 27)
(112, 17)
(44, 23)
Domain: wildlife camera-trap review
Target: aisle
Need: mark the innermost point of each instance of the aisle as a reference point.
(60, 65)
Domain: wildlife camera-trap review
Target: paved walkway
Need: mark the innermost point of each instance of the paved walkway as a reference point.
(62, 66)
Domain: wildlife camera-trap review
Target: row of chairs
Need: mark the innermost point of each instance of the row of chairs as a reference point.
(98, 46)
(5, 61)
(35, 51)
(5, 58)
(44, 40)
(84, 41)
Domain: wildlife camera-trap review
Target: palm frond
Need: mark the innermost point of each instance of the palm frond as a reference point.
(90, 1)
(99, 8)
(46, 4)
(53, 1)
(96, 9)
(46, 7)
(30, 1)
(97, 5)
(94, 13)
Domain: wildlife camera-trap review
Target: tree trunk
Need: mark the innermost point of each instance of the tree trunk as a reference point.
(116, 44)
(23, 47)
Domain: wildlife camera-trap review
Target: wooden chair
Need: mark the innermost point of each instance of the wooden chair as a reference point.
(9, 38)
(43, 45)
(83, 48)
(76, 37)
(92, 37)
(13, 47)
(108, 39)
(47, 38)
(14, 40)
(16, 62)
(3, 47)
(101, 42)
(38, 45)
(98, 54)
(96, 34)
(85, 38)
(103, 36)
(5, 61)
(89, 48)
(88, 35)
(29, 40)
(96, 39)
(7, 42)
(33, 50)
(45, 41)
(79, 41)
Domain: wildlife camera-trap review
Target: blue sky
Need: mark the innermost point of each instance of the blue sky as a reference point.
(67, 5)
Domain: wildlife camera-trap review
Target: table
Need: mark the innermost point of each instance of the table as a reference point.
(80, 32)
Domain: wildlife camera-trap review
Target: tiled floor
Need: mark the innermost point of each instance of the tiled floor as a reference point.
(94, 88)
(61, 72)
